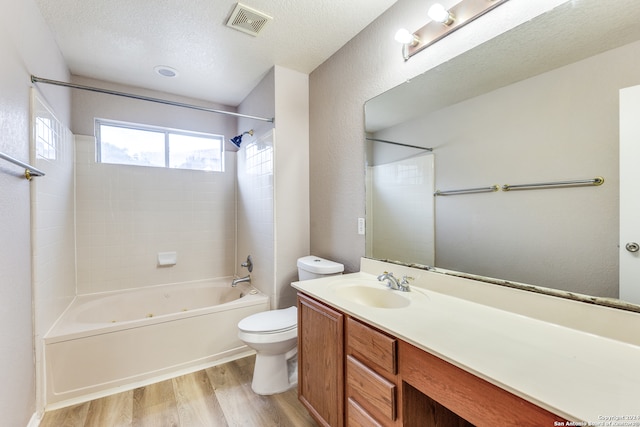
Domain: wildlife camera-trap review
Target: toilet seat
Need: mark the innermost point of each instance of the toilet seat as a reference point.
(270, 322)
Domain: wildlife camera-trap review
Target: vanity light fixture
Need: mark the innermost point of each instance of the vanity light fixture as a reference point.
(438, 13)
(404, 37)
(443, 22)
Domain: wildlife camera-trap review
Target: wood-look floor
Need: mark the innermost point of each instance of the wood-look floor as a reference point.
(217, 396)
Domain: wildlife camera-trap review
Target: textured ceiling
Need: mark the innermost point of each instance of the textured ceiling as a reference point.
(123, 40)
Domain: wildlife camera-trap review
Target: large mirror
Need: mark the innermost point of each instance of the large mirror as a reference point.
(538, 104)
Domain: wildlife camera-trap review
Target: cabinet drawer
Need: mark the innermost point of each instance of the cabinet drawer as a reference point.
(358, 417)
(371, 391)
(373, 347)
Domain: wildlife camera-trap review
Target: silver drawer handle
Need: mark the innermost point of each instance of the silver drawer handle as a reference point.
(632, 247)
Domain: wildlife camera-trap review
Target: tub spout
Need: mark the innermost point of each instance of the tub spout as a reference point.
(235, 281)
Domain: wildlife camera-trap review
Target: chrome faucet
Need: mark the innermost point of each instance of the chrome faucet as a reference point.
(237, 280)
(393, 283)
(248, 264)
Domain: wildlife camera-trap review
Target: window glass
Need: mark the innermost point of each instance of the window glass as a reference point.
(195, 152)
(259, 159)
(46, 138)
(132, 144)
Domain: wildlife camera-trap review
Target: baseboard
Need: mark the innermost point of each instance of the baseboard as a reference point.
(34, 421)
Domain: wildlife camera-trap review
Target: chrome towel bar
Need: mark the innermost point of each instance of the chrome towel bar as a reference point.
(29, 172)
(467, 191)
(399, 143)
(598, 180)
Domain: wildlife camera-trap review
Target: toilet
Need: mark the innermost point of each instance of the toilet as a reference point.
(274, 335)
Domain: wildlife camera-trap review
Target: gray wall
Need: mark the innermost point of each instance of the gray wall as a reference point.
(26, 47)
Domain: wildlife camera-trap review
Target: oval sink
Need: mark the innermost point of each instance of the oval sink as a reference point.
(373, 297)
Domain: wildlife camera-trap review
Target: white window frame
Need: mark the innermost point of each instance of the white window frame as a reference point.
(158, 129)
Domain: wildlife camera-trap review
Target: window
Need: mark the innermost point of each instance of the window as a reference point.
(46, 138)
(141, 145)
(259, 158)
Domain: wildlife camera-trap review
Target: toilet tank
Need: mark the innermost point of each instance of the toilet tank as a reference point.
(313, 267)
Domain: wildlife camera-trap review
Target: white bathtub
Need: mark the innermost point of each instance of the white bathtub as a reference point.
(114, 341)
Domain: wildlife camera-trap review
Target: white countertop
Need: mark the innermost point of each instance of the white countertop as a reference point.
(579, 375)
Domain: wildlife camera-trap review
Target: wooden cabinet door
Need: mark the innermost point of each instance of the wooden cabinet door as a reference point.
(321, 361)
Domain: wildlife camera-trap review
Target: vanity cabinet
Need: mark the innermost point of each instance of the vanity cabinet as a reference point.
(321, 361)
(390, 382)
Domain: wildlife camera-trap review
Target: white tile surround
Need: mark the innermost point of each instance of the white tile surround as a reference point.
(52, 224)
(404, 185)
(127, 214)
(52, 203)
(256, 209)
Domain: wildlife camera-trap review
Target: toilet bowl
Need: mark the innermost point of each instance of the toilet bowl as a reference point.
(274, 335)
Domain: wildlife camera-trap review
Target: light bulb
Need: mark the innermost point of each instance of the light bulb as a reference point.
(438, 13)
(404, 36)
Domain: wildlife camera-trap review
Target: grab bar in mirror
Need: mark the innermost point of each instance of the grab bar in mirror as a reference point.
(386, 141)
(29, 172)
(467, 191)
(598, 180)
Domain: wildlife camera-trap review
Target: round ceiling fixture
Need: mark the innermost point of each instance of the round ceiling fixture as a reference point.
(165, 71)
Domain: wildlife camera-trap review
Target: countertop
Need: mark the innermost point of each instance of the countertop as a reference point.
(580, 375)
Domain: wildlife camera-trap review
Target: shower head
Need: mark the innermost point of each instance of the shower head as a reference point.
(237, 140)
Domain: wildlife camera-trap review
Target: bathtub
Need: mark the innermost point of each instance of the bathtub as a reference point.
(109, 342)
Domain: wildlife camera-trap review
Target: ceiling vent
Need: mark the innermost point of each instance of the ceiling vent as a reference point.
(248, 20)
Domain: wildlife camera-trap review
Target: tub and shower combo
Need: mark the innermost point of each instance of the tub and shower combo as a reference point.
(110, 341)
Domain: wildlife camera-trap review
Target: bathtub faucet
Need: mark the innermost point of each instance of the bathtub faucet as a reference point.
(235, 282)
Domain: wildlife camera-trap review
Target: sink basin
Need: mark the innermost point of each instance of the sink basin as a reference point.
(372, 297)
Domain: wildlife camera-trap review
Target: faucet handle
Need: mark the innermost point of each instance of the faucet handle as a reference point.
(404, 284)
(248, 264)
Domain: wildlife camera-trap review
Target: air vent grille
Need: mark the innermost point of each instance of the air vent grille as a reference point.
(248, 20)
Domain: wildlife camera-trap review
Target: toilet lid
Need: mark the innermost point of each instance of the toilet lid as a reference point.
(270, 321)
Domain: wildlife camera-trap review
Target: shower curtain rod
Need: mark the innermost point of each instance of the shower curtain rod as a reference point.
(35, 79)
(399, 143)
